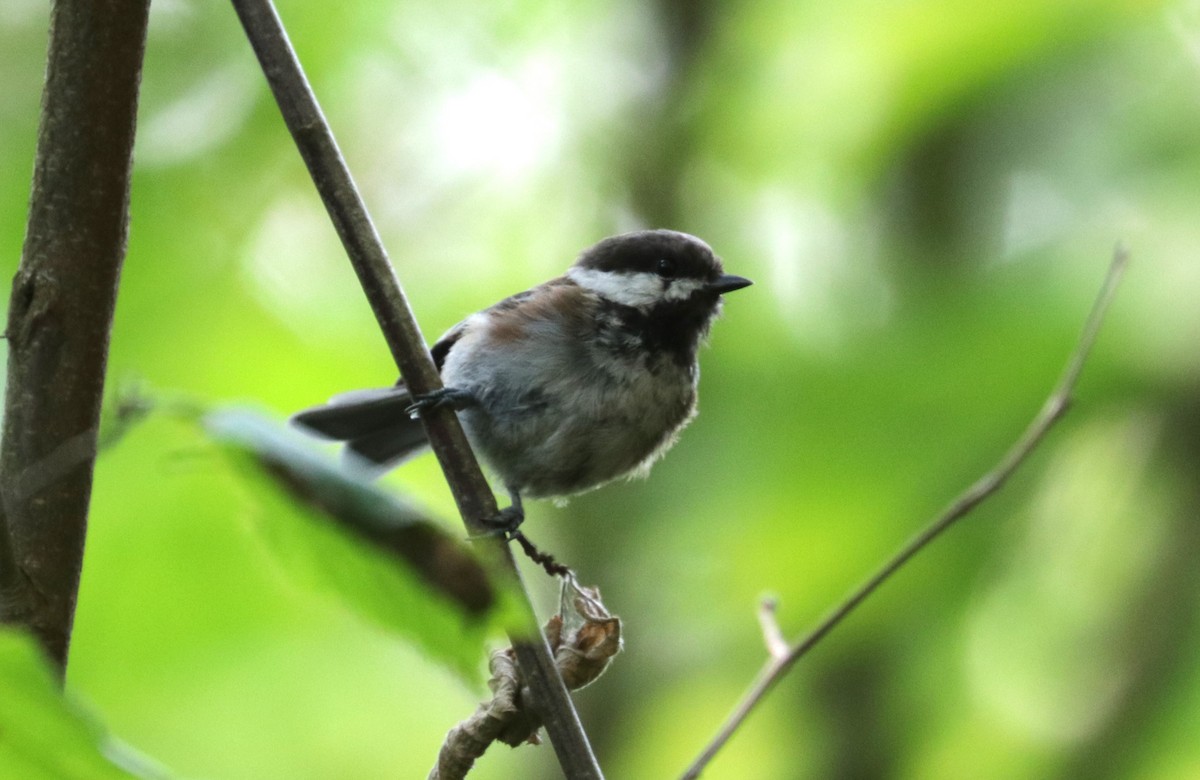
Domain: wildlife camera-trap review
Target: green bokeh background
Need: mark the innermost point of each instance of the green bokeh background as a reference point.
(927, 193)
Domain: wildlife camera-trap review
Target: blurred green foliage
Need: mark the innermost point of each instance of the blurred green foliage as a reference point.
(927, 193)
(45, 736)
(382, 557)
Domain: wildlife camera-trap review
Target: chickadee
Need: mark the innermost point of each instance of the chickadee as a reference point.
(564, 387)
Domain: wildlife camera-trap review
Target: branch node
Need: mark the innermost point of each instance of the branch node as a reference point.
(784, 655)
(584, 637)
(777, 646)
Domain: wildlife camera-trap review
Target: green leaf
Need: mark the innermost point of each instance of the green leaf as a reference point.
(338, 532)
(43, 735)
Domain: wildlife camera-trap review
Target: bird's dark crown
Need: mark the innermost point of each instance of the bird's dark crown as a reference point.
(645, 251)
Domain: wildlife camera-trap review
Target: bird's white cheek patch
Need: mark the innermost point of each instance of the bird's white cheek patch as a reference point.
(640, 289)
(637, 289)
(682, 289)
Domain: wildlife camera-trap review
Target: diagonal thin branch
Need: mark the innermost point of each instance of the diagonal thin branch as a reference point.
(475, 501)
(1052, 410)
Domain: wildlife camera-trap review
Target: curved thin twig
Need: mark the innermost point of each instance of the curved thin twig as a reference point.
(1052, 410)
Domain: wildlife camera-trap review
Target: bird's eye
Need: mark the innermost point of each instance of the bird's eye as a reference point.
(665, 267)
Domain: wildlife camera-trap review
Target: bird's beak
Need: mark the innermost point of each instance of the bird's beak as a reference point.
(728, 283)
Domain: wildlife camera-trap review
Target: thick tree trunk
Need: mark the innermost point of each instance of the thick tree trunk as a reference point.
(60, 312)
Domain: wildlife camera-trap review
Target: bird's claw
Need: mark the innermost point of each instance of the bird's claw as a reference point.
(503, 524)
(506, 524)
(506, 521)
(446, 396)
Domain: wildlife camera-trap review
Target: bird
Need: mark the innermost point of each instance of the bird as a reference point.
(579, 381)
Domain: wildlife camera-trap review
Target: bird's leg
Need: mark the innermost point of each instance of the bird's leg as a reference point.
(508, 522)
(510, 517)
(454, 397)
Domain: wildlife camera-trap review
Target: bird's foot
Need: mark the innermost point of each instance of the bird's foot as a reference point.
(502, 524)
(505, 522)
(454, 397)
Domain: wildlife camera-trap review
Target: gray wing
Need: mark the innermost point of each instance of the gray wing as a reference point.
(442, 348)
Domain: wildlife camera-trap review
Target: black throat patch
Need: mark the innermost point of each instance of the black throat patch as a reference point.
(671, 330)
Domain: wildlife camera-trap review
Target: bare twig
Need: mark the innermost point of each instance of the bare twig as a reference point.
(475, 501)
(547, 561)
(60, 313)
(1054, 408)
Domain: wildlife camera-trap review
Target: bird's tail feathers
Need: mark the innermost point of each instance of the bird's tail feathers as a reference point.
(374, 423)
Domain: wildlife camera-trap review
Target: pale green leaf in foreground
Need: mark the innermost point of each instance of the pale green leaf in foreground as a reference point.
(45, 736)
(338, 532)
